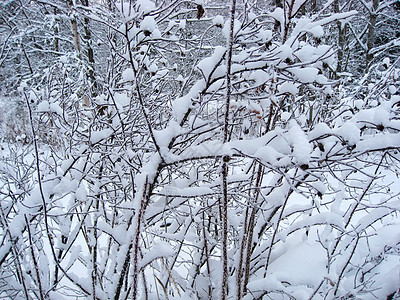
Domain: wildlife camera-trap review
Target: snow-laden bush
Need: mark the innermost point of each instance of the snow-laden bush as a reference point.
(210, 154)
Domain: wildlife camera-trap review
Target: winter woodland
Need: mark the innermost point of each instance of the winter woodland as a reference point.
(199, 149)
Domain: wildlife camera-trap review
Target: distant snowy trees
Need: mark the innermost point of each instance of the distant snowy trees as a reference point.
(191, 150)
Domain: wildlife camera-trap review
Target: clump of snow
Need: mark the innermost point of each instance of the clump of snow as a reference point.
(359, 104)
(182, 24)
(265, 35)
(208, 64)
(163, 137)
(181, 105)
(121, 100)
(22, 86)
(144, 49)
(317, 31)
(218, 21)
(246, 124)
(97, 136)
(55, 108)
(128, 75)
(46, 106)
(371, 86)
(236, 27)
(259, 76)
(288, 87)
(33, 96)
(296, 5)
(43, 106)
(379, 141)
(325, 52)
(285, 52)
(160, 74)
(63, 59)
(180, 78)
(306, 74)
(319, 186)
(381, 117)
(301, 147)
(386, 61)
(162, 249)
(268, 154)
(148, 24)
(66, 185)
(156, 34)
(153, 68)
(321, 79)
(278, 14)
(301, 271)
(319, 130)
(145, 6)
(285, 116)
(392, 89)
(251, 16)
(349, 132)
(306, 53)
(126, 10)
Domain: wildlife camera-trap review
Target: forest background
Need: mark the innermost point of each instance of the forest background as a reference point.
(199, 149)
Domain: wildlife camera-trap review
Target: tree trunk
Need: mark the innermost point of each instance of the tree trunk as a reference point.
(371, 33)
(225, 160)
(342, 28)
